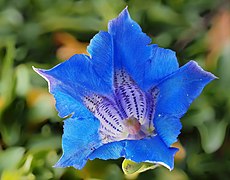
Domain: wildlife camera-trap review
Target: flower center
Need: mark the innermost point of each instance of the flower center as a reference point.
(132, 125)
(128, 114)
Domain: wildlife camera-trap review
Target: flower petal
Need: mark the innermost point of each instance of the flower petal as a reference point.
(152, 150)
(101, 51)
(168, 128)
(177, 92)
(131, 50)
(80, 75)
(80, 139)
(112, 150)
(162, 63)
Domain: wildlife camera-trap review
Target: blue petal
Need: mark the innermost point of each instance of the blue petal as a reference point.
(79, 140)
(131, 50)
(152, 150)
(101, 50)
(177, 92)
(80, 75)
(112, 150)
(133, 53)
(168, 128)
(67, 104)
(179, 89)
(162, 63)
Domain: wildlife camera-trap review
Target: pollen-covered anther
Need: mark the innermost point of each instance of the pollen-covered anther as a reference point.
(133, 125)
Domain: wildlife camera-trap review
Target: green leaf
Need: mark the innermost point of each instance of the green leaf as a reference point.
(113, 172)
(23, 80)
(7, 80)
(130, 167)
(212, 135)
(11, 133)
(11, 158)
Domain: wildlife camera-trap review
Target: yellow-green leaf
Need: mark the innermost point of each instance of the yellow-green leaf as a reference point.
(130, 167)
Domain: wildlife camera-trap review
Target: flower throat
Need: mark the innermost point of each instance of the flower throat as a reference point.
(128, 114)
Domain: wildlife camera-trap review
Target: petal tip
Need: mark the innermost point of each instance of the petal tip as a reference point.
(123, 16)
(44, 75)
(125, 11)
(41, 72)
(36, 69)
(63, 162)
(58, 164)
(209, 75)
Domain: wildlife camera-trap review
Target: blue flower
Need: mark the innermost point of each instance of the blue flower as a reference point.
(125, 99)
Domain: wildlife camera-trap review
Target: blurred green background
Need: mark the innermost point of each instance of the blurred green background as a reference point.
(43, 33)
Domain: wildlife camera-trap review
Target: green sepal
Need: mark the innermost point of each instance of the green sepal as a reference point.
(130, 167)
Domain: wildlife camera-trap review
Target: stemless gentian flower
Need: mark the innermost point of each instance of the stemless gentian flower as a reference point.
(125, 99)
